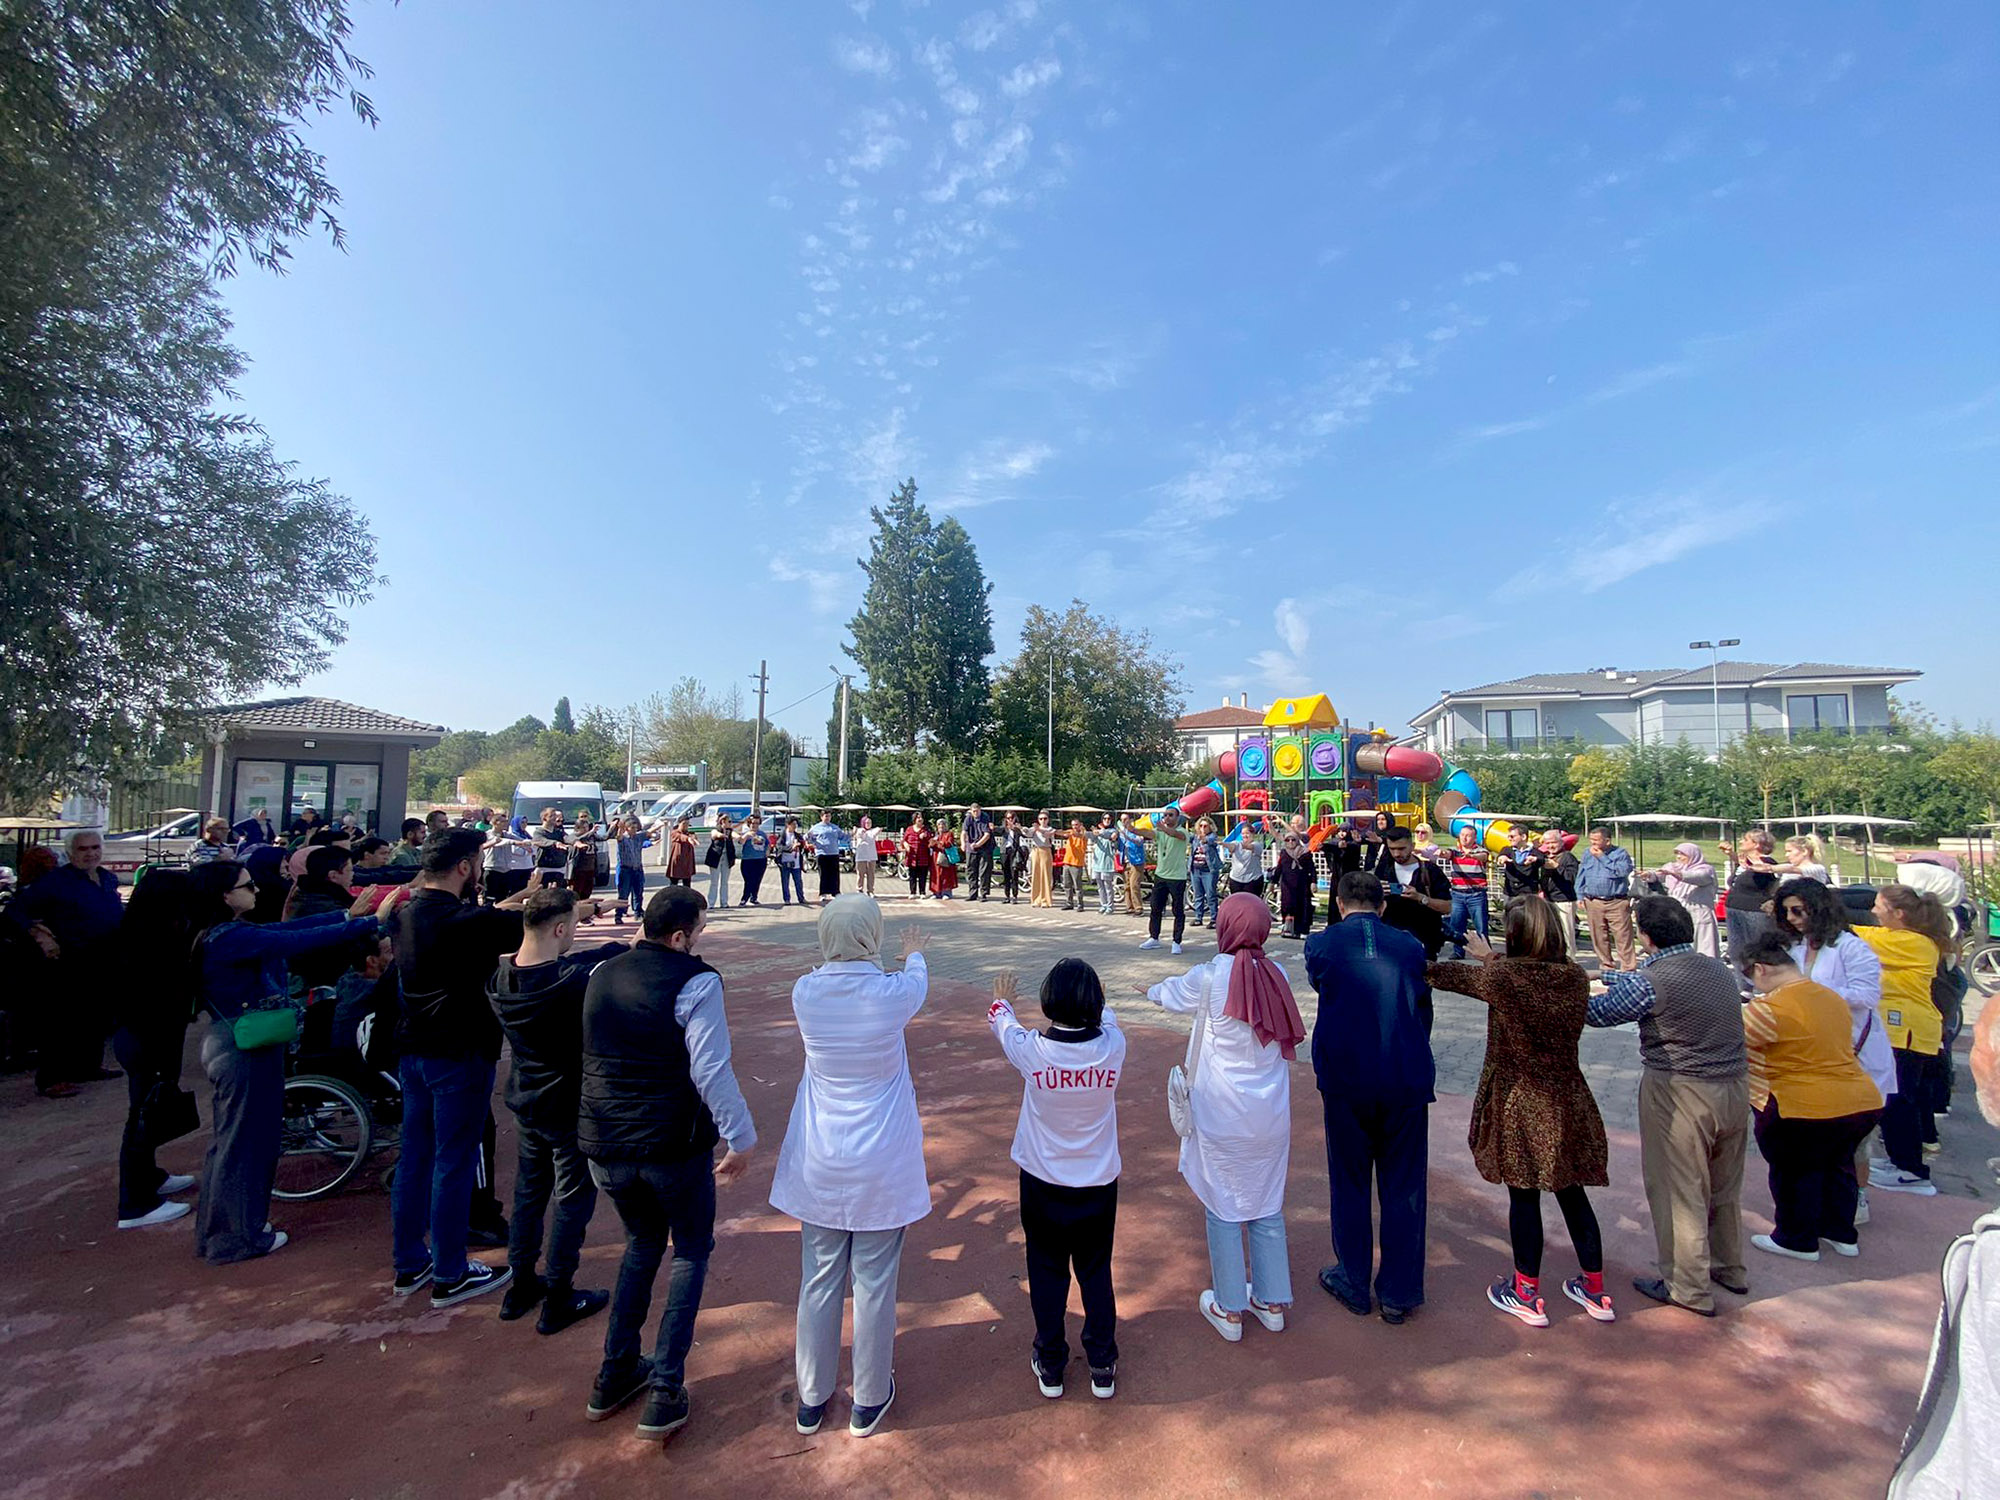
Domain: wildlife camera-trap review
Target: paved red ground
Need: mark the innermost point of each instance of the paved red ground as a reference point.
(133, 1370)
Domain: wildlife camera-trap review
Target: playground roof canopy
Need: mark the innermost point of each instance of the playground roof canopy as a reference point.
(1315, 711)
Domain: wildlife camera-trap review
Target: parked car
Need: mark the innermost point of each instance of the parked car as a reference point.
(168, 844)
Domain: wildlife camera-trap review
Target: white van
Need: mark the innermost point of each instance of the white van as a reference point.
(702, 808)
(570, 798)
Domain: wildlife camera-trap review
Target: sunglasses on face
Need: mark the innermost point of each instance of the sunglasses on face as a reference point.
(1793, 909)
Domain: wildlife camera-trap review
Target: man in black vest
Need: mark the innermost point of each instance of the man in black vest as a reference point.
(1694, 1104)
(658, 1093)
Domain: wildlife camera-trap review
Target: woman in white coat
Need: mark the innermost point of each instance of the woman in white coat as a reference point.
(1237, 1155)
(851, 1170)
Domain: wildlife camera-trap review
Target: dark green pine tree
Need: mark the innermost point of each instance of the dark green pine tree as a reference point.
(958, 637)
(888, 630)
(561, 720)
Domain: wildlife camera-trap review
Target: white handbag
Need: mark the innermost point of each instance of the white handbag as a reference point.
(1180, 1079)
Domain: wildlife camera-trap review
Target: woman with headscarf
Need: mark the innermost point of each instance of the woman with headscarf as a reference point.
(1240, 1099)
(1691, 880)
(851, 1170)
(1297, 879)
(1535, 1126)
(944, 861)
(867, 856)
(266, 864)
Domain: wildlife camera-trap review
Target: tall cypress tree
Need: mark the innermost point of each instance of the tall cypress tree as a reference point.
(959, 638)
(887, 631)
(924, 631)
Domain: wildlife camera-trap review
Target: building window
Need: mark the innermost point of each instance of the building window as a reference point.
(1512, 727)
(1809, 711)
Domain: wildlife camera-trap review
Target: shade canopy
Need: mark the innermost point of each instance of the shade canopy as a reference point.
(1853, 820)
(849, 807)
(893, 807)
(1661, 817)
(1081, 807)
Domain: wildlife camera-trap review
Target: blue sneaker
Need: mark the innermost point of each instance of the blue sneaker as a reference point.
(1503, 1296)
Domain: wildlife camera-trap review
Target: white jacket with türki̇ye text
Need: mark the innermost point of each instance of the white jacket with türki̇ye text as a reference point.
(1068, 1133)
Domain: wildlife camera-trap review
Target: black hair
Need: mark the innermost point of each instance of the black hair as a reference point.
(547, 905)
(412, 825)
(676, 909)
(1359, 888)
(446, 849)
(1826, 917)
(319, 838)
(1073, 995)
(1394, 831)
(1666, 923)
(1768, 948)
(369, 845)
(156, 931)
(324, 860)
(207, 885)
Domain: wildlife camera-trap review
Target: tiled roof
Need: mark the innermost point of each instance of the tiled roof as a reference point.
(306, 715)
(1732, 673)
(1220, 718)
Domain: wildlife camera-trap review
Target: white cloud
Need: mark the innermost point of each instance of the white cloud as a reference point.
(1028, 77)
(1490, 273)
(778, 200)
(826, 592)
(981, 31)
(1651, 532)
(863, 55)
(1290, 622)
(993, 473)
(881, 457)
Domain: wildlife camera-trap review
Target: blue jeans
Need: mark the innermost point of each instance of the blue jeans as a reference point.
(632, 887)
(1468, 909)
(658, 1201)
(791, 878)
(444, 1118)
(1269, 1274)
(1201, 885)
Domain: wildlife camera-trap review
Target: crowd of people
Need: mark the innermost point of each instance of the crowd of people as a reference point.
(1818, 1039)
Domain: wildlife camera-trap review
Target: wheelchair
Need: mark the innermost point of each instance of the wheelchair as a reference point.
(339, 1107)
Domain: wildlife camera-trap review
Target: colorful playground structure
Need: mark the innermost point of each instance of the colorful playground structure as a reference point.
(1311, 763)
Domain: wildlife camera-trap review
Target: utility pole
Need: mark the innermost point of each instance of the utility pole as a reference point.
(1052, 726)
(757, 747)
(631, 751)
(840, 776)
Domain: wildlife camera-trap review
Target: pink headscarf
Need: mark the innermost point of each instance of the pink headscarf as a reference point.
(1258, 993)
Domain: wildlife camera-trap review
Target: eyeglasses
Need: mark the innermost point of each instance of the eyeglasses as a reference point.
(1793, 909)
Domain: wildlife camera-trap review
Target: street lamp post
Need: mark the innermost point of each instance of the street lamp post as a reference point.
(1714, 650)
(840, 776)
(1052, 725)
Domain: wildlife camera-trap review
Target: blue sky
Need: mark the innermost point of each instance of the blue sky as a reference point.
(1357, 349)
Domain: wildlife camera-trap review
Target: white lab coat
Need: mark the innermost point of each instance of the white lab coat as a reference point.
(853, 1156)
(1851, 969)
(1241, 1148)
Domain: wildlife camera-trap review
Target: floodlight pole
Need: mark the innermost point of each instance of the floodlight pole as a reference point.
(1714, 650)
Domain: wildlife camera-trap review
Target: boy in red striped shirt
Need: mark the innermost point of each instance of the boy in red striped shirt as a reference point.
(1466, 865)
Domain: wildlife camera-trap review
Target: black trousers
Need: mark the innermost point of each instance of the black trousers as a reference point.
(1386, 1145)
(1813, 1187)
(550, 1166)
(829, 875)
(979, 873)
(920, 878)
(1905, 1114)
(1070, 1228)
(1163, 892)
(1524, 1227)
(1011, 866)
(139, 1175)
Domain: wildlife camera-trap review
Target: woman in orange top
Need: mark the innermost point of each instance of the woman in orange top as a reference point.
(1075, 855)
(1914, 934)
(1813, 1101)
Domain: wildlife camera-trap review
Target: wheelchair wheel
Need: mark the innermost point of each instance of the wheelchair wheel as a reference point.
(1982, 967)
(325, 1136)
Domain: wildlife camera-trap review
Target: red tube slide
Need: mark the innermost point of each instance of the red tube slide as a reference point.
(1398, 760)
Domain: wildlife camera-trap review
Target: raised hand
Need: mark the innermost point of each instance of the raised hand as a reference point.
(1007, 987)
(915, 935)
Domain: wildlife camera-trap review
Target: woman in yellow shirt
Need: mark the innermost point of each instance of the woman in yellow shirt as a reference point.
(1914, 934)
(1813, 1102)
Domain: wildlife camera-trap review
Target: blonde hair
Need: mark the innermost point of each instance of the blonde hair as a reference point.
(1810, 843)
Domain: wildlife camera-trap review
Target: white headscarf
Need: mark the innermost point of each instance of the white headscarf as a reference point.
(850, 930)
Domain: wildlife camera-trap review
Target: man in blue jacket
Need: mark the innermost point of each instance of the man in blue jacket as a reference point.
(1371, 1051)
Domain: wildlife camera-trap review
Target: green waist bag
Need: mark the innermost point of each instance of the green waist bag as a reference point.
(255, 1030)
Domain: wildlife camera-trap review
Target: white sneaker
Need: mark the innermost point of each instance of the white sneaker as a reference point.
(1850, 1251)
(1904, 1182)
(1177, 947)
(1150, 943)
(1765, 1242)
(1271, 1317)
(279, 1239)
(1861, 1209)
(179, 1182)
(1209, 1310)
(166, 1213)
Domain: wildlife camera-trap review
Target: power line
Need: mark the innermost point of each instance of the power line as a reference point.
(808, 697)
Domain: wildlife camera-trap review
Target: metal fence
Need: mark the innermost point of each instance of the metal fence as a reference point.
(146, 804)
